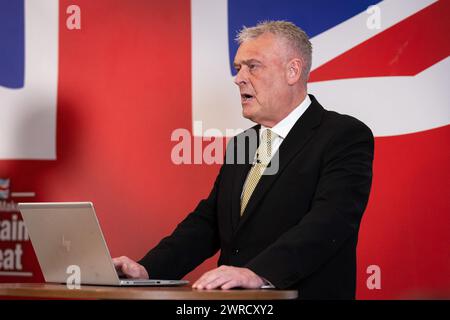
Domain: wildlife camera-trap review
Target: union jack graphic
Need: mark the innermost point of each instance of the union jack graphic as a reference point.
(97, 107)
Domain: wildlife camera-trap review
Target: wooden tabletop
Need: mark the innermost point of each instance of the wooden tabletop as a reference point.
(55, 291)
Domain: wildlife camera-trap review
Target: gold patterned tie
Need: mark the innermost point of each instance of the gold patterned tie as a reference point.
(263, 156)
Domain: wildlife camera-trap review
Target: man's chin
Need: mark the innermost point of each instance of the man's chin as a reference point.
(247, 114)
(248, 110)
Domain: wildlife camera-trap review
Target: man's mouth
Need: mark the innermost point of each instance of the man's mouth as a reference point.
(246, 97)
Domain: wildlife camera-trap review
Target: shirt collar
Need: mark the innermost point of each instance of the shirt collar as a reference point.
(283, 127)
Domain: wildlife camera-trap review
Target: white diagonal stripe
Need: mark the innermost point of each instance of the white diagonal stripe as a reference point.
(346, 35)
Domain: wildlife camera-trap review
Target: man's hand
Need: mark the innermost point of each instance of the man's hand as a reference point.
(226, 277)
(131, 269)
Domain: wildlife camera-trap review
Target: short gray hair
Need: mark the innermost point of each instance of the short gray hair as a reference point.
(296, 37)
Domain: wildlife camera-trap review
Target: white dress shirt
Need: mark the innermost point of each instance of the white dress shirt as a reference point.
(283, 127)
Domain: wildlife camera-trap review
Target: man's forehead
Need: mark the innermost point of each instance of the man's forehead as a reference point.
(263, 43)
(258, 48)
(247, 56)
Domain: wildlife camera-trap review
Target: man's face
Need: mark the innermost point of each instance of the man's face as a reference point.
(261, 76)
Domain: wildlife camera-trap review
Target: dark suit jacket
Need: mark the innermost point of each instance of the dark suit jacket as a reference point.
(300, 227)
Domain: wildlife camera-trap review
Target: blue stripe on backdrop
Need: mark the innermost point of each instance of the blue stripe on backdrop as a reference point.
(12, 43)
(313, 16)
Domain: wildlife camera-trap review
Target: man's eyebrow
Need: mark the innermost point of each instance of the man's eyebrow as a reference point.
(246, 62)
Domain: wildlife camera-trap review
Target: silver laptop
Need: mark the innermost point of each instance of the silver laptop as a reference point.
(67, 235)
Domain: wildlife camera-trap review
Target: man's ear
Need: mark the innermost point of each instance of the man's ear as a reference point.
(294, 71)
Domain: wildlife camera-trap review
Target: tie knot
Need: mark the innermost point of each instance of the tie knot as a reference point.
(267, 136)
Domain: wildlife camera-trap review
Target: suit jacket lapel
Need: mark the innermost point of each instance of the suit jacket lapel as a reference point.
(240, 175)
(300, 133)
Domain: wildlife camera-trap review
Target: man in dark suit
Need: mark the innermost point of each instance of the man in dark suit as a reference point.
(297, 226)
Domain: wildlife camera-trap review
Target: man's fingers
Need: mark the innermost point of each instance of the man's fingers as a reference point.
(206, 279)
(202, 279)
(230, 284)
(130, 268)
(214, 278)
(215, 283)
(131, 271)
(227, 277)
(119, 261)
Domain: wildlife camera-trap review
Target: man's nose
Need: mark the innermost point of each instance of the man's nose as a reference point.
(240, 78)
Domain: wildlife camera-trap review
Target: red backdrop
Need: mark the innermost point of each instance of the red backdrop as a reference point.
(116, 110)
